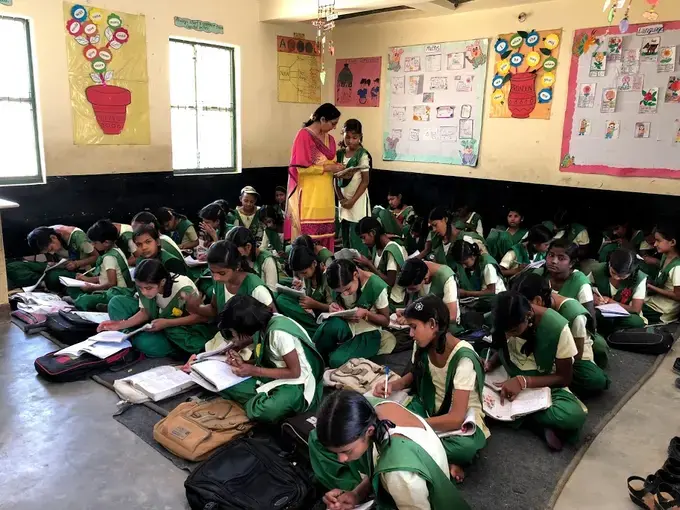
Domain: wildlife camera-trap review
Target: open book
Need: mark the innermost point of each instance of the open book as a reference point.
(527, 402)
(342, 314)
(42, 277)
(114, 337)
(613, 310)
(289, 291)
(468, 428)
(400, 397)
(72, 282)
(214, 374)
(395, 325)
(192, 262)
(96, 317)
(161, 382)
(496, 378)
(101, 350)
(215, 352)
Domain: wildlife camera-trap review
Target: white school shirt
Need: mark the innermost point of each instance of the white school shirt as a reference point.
(566, 349)
(362, 207)
(181, 282)
(397, 293)
(110, 262)
(247, 220)
(579, 330)
(667, 307)
(363, 326)
(581, 239)
(408, 490)
(490, 276)
(450, 293)
(270, 273)
(640, 291)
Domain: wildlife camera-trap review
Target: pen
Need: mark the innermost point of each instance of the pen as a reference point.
(387, 377)
(488, 353)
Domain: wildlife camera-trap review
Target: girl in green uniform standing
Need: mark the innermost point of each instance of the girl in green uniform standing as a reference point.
(619, 281)
(286, 370)
(147, 218)
(261, 261)
(533, 248)
(173, 331)
(312, 280)
(448, 379)
(536, 348)
(445, 232)
(478, 274)
(663, 299)
(56, 243)
(149, 246)
(340, 339)
(588, 379)
(361, 447)
(501, 239)
(180, 228)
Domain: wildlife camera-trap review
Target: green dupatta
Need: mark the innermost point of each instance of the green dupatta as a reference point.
(624, 293)
(501, 241)
(181, 230)
(572, 285)
(393, 249)
(664, 272)
(261, 259)
(571, 309)
(323, 256)
(170, 262)
(248, 286)
(474, 280)
(154, 311)
(122, 264)
(321, 293)
(522, 254)
(238, 222)
(352, 162)
(438, 254)
(388, 221)
(274, 239)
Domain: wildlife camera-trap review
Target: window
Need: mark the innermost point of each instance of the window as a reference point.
(20, 144)
(202, 106)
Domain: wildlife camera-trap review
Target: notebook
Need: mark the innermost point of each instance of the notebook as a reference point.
(342, 314)
(282, 289)
(214, 374)
(400, 397)
(96, 317)
(113, 337)
(613, 310)
(496, 378)
(48, 268)
(192, 262)
(161, 382)
(72, 282)
(395, 325)
(468, 428)
(527, 402)
(101, 350)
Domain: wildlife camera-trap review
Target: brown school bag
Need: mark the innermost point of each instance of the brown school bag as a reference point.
(358, 374)
(193, 430)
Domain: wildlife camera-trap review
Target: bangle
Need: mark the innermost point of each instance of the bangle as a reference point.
(524, 387)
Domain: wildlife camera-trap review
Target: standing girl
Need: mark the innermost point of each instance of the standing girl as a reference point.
(180, 228)
(246, 215)
(663, 300)
(360, 448)
(311, 201)
(285, 376)
(501, 240)
(340, 339)
(533, 248)
(352, 192)
(260, 261)
(448, 379)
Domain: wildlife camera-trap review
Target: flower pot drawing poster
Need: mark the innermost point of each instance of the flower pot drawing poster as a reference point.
(525, 73)
(108, 77)
(357, 82)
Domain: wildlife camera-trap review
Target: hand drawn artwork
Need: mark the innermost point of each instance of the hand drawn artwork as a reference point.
(108, 77)
(673, 90)
(357, 81)
(526, 64)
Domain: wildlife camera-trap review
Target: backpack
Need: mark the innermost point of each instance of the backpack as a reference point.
(61, 368)
(70, 329)
(649, 340)
(251, 473)
(357, 374)
(193, 430)
(29, 322)
(295, 432)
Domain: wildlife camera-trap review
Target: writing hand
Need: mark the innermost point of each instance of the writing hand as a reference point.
(335, 307)
(71, 265)
(510, 389)
(379, 390)
(308, 303)
(297, 284)
(110, 326)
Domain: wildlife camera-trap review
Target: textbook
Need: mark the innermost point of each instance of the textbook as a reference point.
(400, 397)
(527, 402)
(161, 382)
(342, 314)
(214, 374)
(42, 277)
(72, 282)
(192, 262)
(613, 310)
(114, 337)
(102, 350)
(468, 428)
(289, 291)
(395, 325)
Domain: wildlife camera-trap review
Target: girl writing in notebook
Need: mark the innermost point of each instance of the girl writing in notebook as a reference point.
(323, 254)
(340, 339)
(532, 249)
(261, 262)
(361, 447)
(447, 377)
(174, 330)
(445, 232)
(535, 346)
(286, 369)
(311, 279)
(180, 228)
(663, 300)
(478, 274)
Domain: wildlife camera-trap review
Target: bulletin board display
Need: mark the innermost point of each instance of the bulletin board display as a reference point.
(623, 104)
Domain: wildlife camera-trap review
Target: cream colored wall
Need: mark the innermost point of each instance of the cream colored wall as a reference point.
(268, 127)
(512, 150)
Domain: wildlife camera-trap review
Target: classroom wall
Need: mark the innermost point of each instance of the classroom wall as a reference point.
(511, 149)
(267, 126)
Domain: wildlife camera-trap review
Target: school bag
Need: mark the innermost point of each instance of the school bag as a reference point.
(357, 374)
(60, 368)
(295, 433)
(193, 430)
(68, 328)
(29, 322)
(250, 473)
(649, 340)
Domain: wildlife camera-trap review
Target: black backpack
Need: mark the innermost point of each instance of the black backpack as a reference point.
(649, 340)
(250, 473)
(60, 368)
(70, 329)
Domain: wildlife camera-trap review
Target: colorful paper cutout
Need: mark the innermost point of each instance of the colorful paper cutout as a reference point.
(411, 64)
(598, 64)
(666, 62)
(614, 48)
(630, 82)
(584, 127)
(650, 49)
(642, 129)
(421, 113)
(198, 25)
(428, 97)
(650, 100)
(612, 131)
(415, 84)
(455, 61)
(609, 98)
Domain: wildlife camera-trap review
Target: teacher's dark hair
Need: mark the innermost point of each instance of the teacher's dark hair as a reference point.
(326, 111)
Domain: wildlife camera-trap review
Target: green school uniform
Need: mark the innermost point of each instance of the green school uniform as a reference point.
(474, 280)
(290, 306)
(349, 236)
(523, 256)
(588, 378)
(398, 454)
(501, 241)
(572, 231)
(325, 257)
(182, 226)
(567, 413)
(255, 227)
(247, 288)
(125, 239)
(460, 450)
(274, 239)
(171, 263)
(653, 316)
(624, 294)
(89, 301)
(441, 256)
(388, 221)
(278, 399)
(261, 258)
(169, 245)
(338, 342)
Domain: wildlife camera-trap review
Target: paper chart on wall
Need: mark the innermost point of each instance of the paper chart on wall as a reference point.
(621, 117)
(435, 102)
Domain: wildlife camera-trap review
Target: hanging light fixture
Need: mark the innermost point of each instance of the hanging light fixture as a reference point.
(324, 24)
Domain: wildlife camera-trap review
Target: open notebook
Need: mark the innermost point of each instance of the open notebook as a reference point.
(101, 350)
(342, 314)
(612, 310)
(161, 382)
(282, 289)
(528, 401)
(113, 337)
(214, 374)
(468, 428)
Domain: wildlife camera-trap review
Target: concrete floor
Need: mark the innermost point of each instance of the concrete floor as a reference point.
(60, 448)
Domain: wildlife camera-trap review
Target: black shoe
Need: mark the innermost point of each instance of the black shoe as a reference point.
(667, 497)
(674, 447)
(676, 366)
(669, 478)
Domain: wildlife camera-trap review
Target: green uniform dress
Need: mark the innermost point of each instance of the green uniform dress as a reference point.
(182, 226)
(606, 325)
(654, 316)
(500, 241)
(290, 306)
(460, 450)
(588, 378)
(171, 263)
(23, 273)
(572, 231)
(172, 340)
(398, 454)
(169, 245)
(89, 301)
(272, 400)
(522, 254)
(348, 233)
(124, 240)
(440, 254)
(256, 227)
(474, 280)
(338, 341)
(566, 414)
(391, 251)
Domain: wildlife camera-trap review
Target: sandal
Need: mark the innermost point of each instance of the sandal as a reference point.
(643, 495)
(676, 366)
(667, 498)
(663, 476)
(672, 466)
(674, 446)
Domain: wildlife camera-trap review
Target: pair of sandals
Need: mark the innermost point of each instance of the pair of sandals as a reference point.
(676, 369)
(661, 490)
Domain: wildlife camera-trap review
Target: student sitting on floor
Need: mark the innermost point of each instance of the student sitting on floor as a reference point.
(387, 257)
(478, 274)
(650, 257)
(472, 220)
(352, 192)
(56, 243)
(502, 239)
(147, 218)
(361, 447)
(272, 240)
(340, 339)
(323, 254)
(619, 281)
(174, 331)
(448, 379)
(620, 235)
(417, 235)
(571, 232)
(663, 292)
(149, 246)
(445, 232)
(213, 226)
(280, 204)
(261, 261)
(285, 375)
(537, 349)
(588, 379)
(246, 215)
(114, 274)
(124, 241)
(421, 278)
(533, 248)
(402, 213)
(179, 227)
(305, 265)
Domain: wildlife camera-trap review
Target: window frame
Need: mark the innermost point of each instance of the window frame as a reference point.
(235, 109)
(33, 99)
